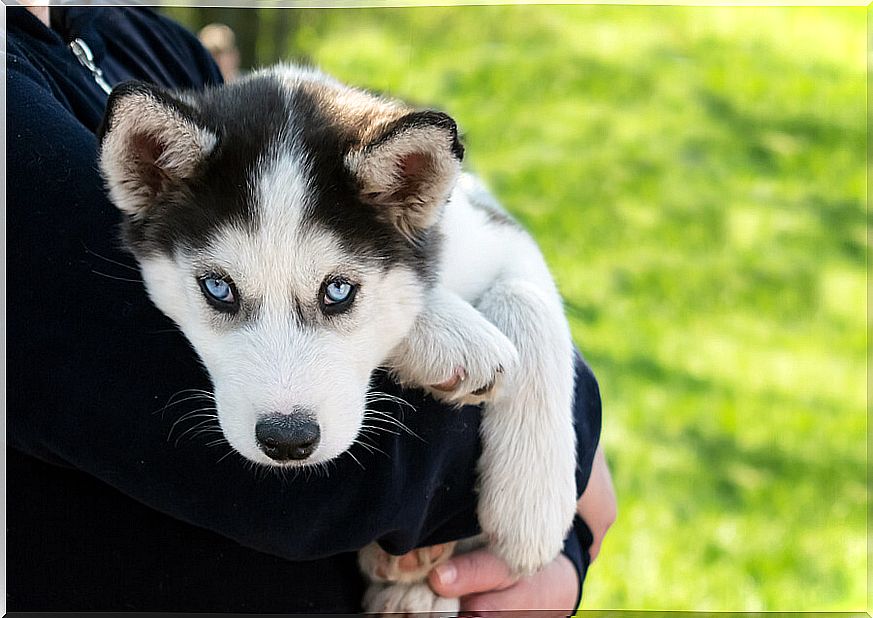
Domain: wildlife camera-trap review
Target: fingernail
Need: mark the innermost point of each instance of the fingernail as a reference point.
(446, 573)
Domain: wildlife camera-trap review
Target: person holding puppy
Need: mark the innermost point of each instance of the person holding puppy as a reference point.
(124, 518)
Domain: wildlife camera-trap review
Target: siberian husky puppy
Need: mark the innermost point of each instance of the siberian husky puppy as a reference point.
(302, 233)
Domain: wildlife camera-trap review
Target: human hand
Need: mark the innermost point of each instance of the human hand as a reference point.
(597, 506)
(483, 581)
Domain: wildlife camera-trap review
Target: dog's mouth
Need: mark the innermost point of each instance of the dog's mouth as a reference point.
(285, 440)
(300, 424)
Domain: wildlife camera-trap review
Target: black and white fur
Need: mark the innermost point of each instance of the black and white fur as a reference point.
(287, 180)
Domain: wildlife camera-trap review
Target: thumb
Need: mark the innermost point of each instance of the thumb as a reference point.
(477, 571)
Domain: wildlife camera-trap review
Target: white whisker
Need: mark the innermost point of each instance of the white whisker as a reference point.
(195, 393)
(207, 412)
(226, 455)
(375, 396)
(108, 276)
(377, 415)
(111, 261)
(352, 455)
(208, 420)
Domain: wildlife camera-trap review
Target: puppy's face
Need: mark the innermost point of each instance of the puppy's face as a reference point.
(285, 223)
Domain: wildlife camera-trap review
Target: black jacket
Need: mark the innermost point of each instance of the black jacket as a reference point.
(112, 504)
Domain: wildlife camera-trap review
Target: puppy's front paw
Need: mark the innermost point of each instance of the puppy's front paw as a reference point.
(380, 566)
(526, 522)
(526, 548)
(398, 582)
(391, 598)
(457, 389)
(459, 361)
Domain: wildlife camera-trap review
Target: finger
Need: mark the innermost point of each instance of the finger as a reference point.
(478, 571)
(597, 505)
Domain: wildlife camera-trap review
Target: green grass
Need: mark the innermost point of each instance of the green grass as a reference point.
(696, 178)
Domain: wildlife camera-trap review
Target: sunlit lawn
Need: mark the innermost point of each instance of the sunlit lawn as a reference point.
(696, 179)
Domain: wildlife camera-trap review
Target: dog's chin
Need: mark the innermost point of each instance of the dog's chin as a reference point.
(256, 456)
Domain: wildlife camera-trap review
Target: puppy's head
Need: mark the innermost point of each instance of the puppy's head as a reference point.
(286, 223)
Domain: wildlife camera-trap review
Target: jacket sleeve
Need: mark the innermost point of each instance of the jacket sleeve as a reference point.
(99, 380)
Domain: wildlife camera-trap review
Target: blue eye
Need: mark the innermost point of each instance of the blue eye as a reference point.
(337, 291)
(338, 295)
(219, 291)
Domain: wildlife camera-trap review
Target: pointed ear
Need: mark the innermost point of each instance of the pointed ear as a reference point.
(409, 170)
(149, 141)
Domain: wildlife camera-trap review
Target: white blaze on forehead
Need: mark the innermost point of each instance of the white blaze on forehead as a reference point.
(283, 256)
(282, 189)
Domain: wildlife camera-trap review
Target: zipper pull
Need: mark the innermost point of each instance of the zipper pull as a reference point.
(83, 54)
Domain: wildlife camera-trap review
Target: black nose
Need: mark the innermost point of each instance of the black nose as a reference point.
(287, 436)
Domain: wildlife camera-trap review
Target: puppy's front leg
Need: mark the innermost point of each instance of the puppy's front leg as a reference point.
(527, 495)
(452, 343)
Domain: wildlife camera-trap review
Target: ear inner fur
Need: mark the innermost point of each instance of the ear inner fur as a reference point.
(409, 170)
(148, 140)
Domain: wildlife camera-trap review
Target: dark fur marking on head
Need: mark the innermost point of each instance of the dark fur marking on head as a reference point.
(125, 89)
(428, 118)
(248, 118)
(338, 206)
(255, 120)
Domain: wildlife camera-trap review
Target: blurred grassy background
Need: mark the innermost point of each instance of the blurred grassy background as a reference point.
(696, 178)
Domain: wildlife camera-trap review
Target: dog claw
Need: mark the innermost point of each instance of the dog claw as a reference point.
(484, 389)
(454, 390)
(458, 376)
